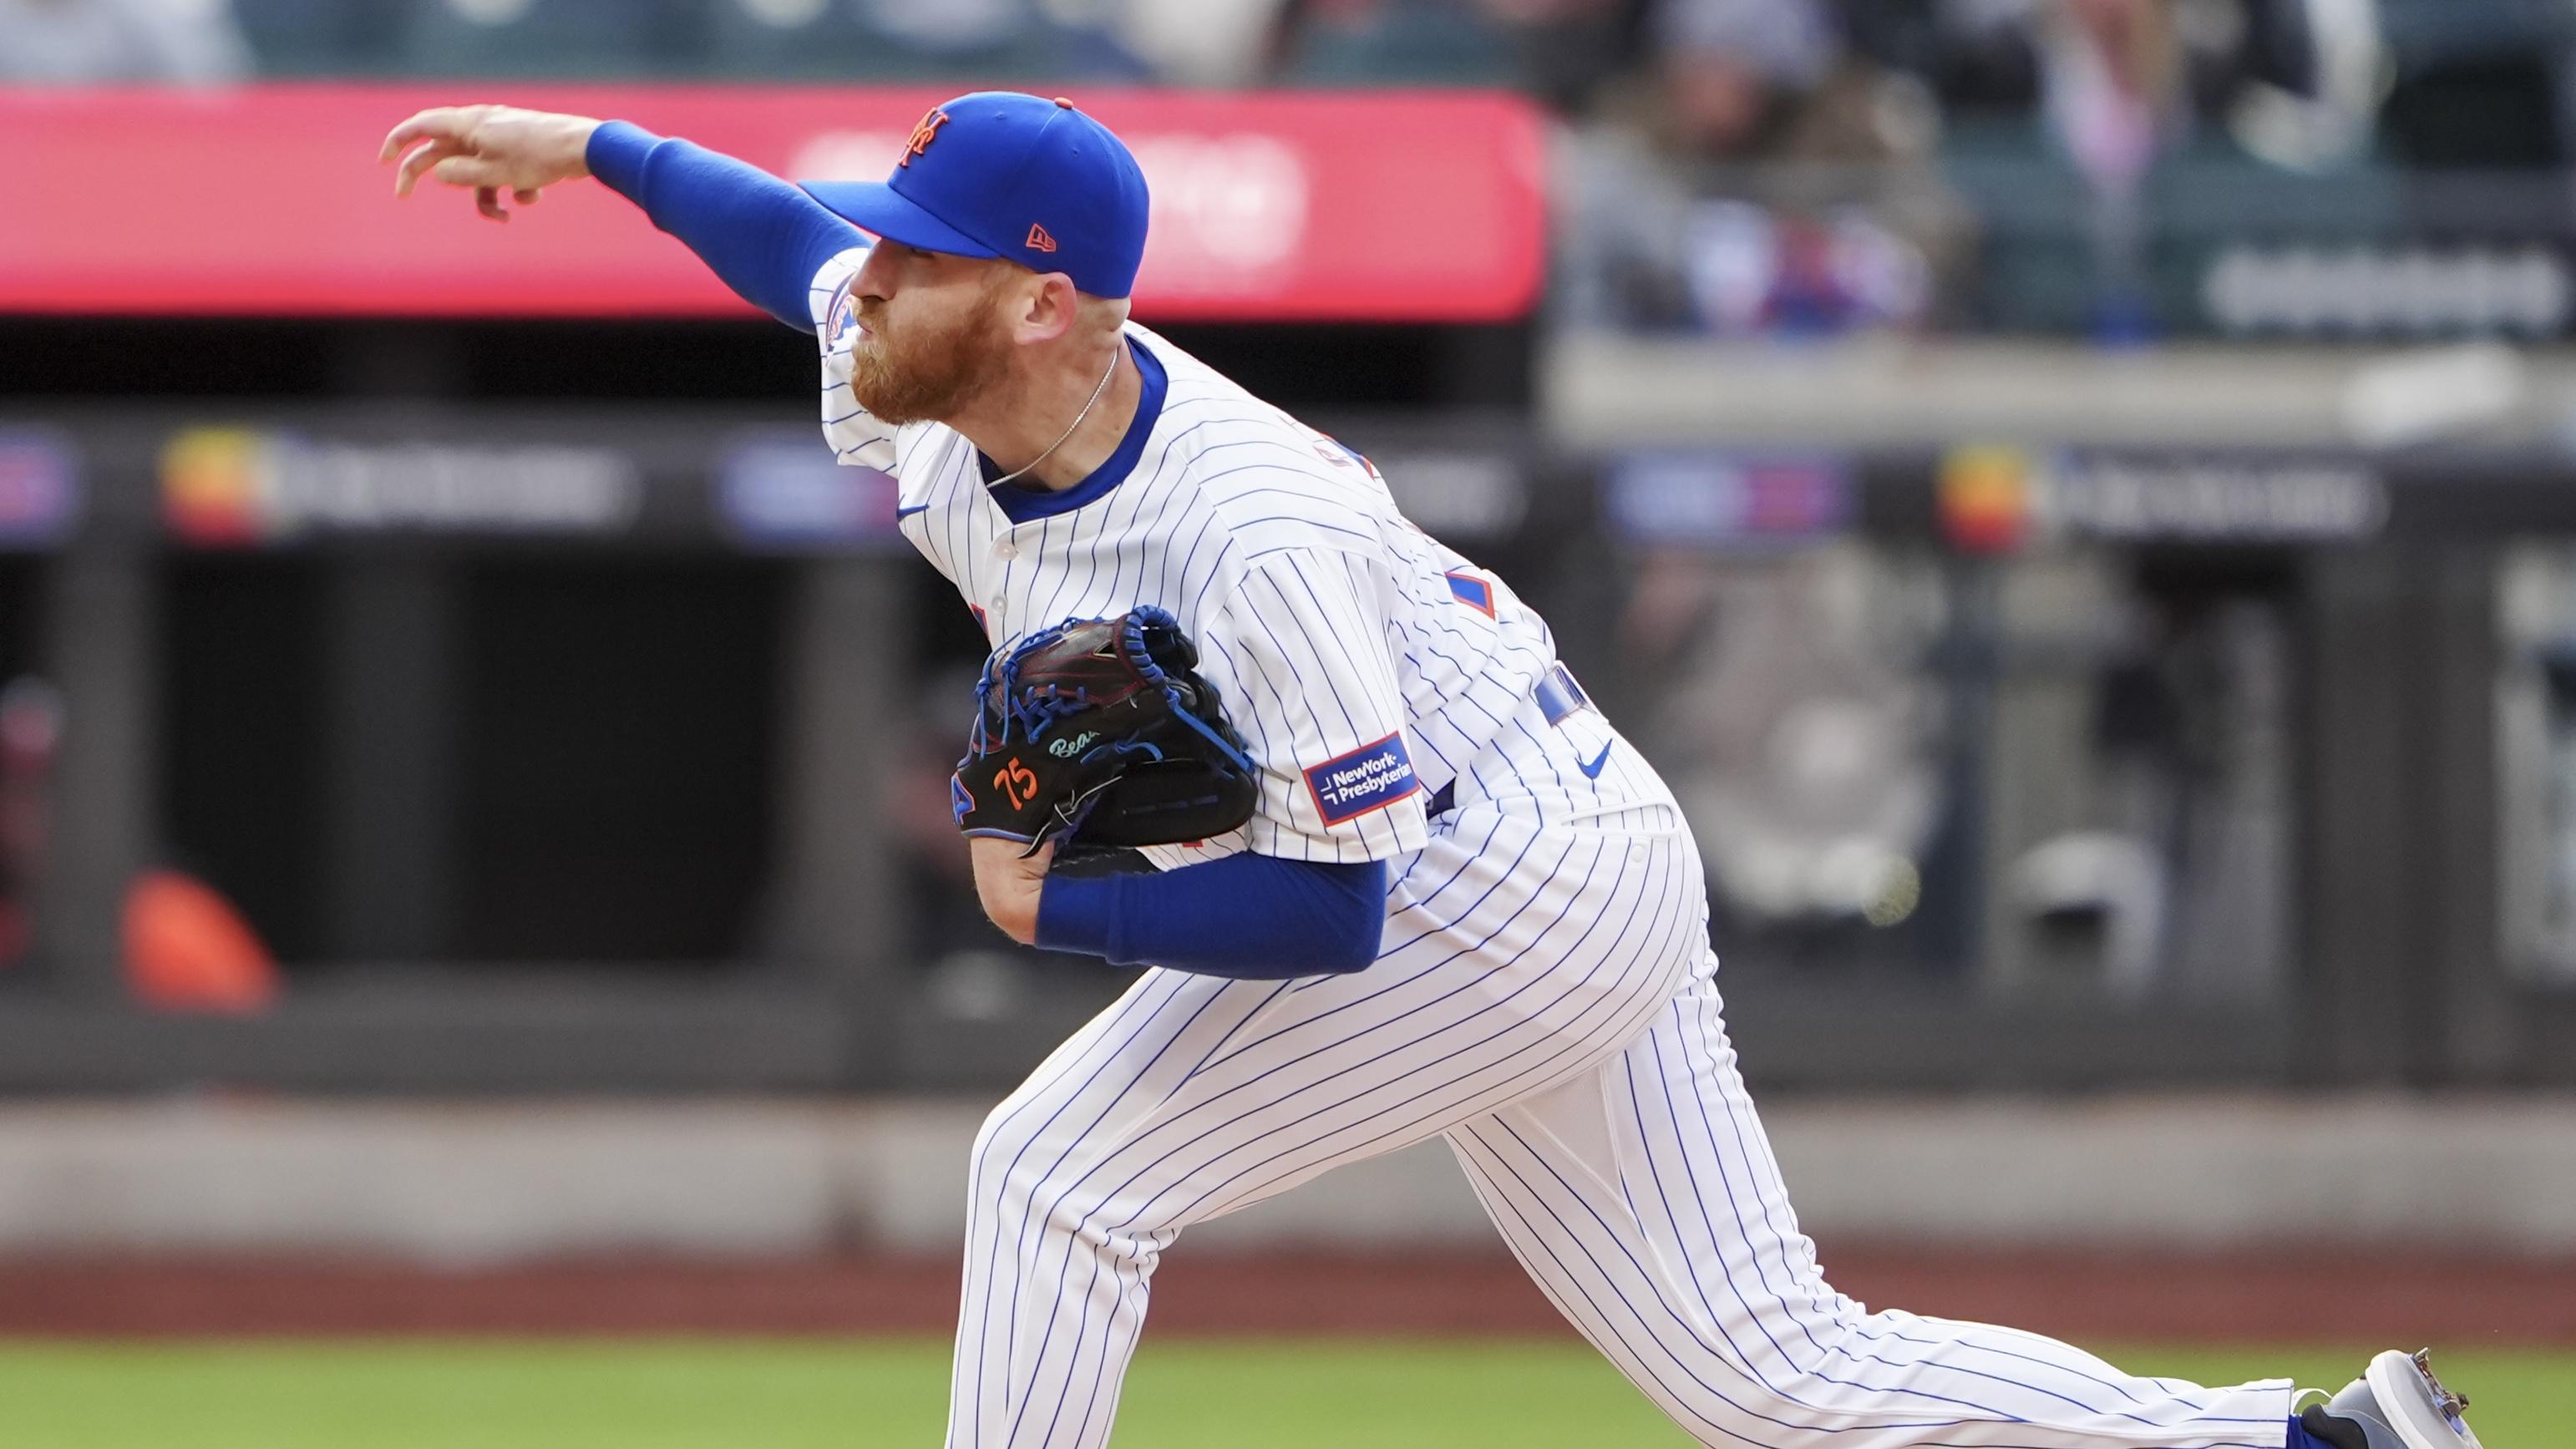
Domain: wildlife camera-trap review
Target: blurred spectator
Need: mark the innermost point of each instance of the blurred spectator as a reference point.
(1561, 51)
(952, 26)
(1570, 50)
(1729, 67)
(1195, 42)
(2111, 72)
(95, 42)
(1850, 236)
(1379, 42)
(996, 41)
(2112, 76)
(1777, 80)
(540, 37)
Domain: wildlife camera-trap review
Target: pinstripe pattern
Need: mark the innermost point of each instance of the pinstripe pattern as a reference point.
(1516, 956)
(1543, 993)
(1644, 1201)
(1545, 997)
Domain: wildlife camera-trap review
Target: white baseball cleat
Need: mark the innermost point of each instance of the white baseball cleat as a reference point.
(2395, 1404)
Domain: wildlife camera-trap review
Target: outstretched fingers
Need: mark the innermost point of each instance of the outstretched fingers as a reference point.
(439, 123)
(419, 162)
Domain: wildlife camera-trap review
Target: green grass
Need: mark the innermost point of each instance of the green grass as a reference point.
(759, 1394)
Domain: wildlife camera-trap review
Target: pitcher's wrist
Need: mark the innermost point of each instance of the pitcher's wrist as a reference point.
(615, 152)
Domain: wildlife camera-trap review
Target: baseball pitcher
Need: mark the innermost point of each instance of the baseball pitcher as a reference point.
(1410, 882)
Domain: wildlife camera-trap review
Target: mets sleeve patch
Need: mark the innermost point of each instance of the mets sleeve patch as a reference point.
(1368, 778)
(1473, 592)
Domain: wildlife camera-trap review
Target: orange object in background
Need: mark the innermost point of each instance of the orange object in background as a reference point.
(187, 949)
(1987, 498)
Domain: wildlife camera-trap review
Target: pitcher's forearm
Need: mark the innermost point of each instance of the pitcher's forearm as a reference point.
(764, 237)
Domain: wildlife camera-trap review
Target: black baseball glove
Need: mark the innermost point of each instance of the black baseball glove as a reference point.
(1099, 732)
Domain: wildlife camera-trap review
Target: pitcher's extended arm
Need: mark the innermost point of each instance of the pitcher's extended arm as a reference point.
(762, 236)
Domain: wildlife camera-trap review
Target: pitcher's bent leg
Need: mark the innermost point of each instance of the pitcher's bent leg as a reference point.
(1515, 958)
(1645, 1202)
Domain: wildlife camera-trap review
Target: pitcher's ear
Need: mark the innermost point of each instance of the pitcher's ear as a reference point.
(1051, 308)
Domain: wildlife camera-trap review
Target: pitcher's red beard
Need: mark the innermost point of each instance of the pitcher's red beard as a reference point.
(914, 375)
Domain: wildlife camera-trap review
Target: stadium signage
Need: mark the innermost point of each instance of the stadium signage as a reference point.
(1727, 499)
(40, 490)
(2390, 290)
(232, 487)
(1999, 499)
(1266, 206)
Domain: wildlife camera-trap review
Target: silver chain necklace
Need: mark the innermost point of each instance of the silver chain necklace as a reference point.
(1097, 394)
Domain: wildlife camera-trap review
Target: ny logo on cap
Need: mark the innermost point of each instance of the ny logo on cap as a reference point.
(923, 135)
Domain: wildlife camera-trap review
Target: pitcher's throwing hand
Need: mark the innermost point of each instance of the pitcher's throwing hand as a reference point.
(491, 149)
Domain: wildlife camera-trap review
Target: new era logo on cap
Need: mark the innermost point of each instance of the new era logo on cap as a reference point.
(977, 169)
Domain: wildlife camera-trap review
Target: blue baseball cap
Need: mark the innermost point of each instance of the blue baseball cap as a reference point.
(1001, 174)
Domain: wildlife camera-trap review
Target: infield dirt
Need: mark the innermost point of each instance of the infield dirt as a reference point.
(2342, 1298)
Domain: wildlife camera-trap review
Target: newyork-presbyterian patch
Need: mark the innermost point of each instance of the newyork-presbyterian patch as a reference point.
(1368, 778)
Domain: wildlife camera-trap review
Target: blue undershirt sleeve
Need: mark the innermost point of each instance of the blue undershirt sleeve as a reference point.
(1251, 917)
(764, 237)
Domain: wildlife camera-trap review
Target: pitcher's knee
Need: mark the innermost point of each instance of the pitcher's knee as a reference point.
(1043, 1186)
(998, 1169)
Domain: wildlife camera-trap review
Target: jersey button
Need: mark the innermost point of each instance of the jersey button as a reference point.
(1006, 550)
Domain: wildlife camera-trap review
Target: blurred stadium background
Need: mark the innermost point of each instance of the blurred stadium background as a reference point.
(2078, 495)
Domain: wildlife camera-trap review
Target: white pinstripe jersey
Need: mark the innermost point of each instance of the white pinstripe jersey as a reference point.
(1366, 664)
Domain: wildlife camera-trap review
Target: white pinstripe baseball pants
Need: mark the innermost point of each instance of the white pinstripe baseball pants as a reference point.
(1545, 998)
